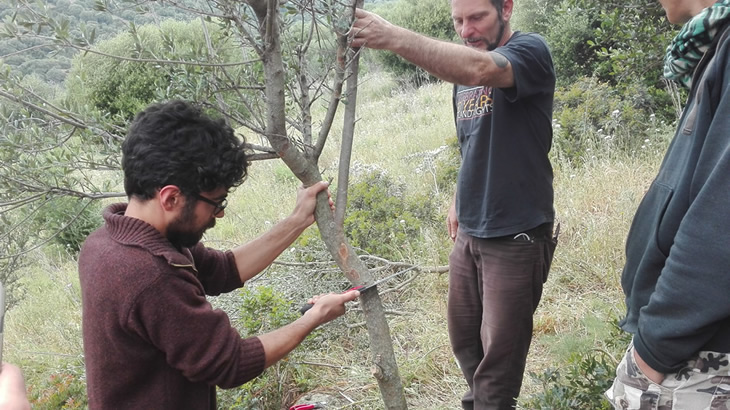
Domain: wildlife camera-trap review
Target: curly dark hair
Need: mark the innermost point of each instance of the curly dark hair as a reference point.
(175, 143)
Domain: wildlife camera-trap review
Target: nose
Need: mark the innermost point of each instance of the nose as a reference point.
(466, 30)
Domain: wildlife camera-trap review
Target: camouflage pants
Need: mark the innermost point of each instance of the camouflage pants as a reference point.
(703, 384)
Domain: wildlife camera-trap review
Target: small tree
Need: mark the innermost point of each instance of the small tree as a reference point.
(270, 90)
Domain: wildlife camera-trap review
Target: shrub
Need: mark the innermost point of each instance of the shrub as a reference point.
(583, 380)
(122, 87)
(69, 220)
(447, 166)
(568, 37)
(593, 118)
(381, 219)
(60, 391)
(310, 247)
(428, 17)
(262, 310)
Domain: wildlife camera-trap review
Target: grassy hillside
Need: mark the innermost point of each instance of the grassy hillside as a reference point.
(400, 133)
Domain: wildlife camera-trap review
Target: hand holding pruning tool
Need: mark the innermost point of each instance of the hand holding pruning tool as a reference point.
(362, 288)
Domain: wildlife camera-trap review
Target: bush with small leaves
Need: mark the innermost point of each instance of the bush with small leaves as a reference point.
(580, 384)
(381, 219)
(593, 118)
(68, 221)
(60, 391)
(447, 166)
(262, 310)
(428, 17)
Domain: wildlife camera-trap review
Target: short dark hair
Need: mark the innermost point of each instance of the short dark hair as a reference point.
(175, 143)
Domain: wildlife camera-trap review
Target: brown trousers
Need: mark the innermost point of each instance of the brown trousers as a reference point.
(495, 286)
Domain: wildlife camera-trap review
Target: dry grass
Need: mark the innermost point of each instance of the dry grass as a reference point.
(595, 205)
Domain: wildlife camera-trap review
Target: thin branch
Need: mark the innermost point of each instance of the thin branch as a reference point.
(304, 99)
(262, 148)
(262, 157)
(329, 116)
(211, 53)
(159, 61)
(19, 100)
(50, 238)
(334, 366)
(26, 49)
(348, 130)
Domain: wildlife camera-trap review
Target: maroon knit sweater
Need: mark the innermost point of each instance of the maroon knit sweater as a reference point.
(151, 339)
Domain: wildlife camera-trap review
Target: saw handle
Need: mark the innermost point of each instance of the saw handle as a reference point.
(308, 306)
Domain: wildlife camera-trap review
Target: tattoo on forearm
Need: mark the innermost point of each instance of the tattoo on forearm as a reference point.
(499, 60)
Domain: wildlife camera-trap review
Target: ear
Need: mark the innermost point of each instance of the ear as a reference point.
(507, 7)
(170, 198)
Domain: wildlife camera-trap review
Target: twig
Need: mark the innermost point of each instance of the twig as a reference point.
(387, 312)
(334, 366)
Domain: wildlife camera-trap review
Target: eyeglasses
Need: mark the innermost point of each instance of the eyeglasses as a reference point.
(219, 206)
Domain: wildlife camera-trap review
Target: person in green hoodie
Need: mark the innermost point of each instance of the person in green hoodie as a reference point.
(676, 277)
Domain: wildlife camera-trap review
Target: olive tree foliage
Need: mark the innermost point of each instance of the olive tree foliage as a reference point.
(124, 85)
(262, 64)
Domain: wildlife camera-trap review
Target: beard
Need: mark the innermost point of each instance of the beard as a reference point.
(181, 232)
(488, 45)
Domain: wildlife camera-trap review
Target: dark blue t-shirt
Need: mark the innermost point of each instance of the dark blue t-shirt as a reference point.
(505, 184)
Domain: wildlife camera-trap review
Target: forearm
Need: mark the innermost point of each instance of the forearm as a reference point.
(451, 62)
(282, 341)
(253, 257)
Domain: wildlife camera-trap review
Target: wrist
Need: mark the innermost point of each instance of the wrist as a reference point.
(307, 322)
(299, 221)
(402, 41)
(648, 371)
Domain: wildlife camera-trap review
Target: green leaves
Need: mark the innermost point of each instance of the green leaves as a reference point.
(382, 220)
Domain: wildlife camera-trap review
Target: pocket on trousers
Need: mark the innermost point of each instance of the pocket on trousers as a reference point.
(704, 383)
(632, 390)
(548, 253)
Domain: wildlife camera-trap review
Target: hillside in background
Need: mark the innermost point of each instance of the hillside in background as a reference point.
(46, 61)
(42, 58)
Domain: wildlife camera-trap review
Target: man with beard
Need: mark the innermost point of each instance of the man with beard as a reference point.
(502, 214)
(151, 338)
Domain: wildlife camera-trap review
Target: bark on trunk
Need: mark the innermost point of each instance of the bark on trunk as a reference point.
(384, 366)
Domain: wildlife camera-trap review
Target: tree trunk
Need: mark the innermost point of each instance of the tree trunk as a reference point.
(385, 368)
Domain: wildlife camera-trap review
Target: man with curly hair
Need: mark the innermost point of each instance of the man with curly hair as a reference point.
(151, 338)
